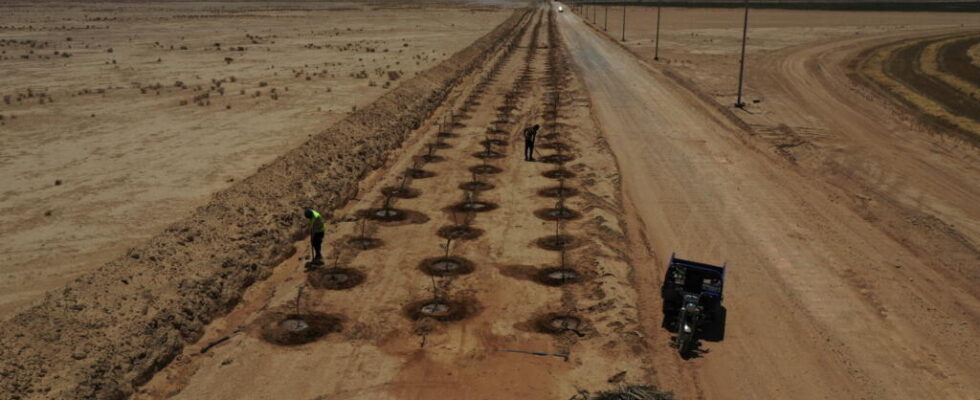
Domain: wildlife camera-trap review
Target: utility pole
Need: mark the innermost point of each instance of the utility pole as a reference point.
(656, 48)
(605, 14)
(741, 69)
(624, 23)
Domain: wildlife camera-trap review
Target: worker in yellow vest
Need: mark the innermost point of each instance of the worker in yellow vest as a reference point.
(317, 230)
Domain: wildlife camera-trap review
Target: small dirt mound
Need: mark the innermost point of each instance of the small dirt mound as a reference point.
(364, 242)
(295, 329)
(556, 146)
(335, 278)
(384, 214)
(558, 323)
(559, 173)
(417, 173)
(459, 232)
(432, 158)
(556, 276)
(558, 192)
(446, 266)
(400, 192)
(557, 242)
(474, 206)
(440, 309)
(393, 216)
(488, 154)
(485, 170)
(475, 186)
(553, 214)
(557, 158)
(494, 142)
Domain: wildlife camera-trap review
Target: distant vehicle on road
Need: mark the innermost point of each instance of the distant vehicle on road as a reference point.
(692, 294)
(561, 9)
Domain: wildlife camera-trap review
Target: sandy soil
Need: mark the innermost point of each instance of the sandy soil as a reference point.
(388, 355)
(851, 230)
(98, 151)
(933, 77)
(113, 328)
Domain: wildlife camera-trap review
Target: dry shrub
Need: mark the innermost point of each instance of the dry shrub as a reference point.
(627, 392)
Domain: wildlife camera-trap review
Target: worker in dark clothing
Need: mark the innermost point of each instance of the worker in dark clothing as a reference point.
(530, 135)
(317, 230)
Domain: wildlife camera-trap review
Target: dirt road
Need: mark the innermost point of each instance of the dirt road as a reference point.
(822, 303)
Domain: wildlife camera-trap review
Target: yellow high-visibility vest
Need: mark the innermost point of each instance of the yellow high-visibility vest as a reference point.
(316, 223)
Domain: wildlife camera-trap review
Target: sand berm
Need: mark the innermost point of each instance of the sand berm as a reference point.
(110, 331)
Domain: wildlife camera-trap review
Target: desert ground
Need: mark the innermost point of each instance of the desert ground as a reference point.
(840, 197)
(120, 118)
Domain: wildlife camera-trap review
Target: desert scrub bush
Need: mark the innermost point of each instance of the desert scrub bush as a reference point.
(627, 392)
(228, 60)
(263, 84)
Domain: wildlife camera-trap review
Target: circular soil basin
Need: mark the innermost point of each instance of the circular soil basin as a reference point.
(493, 142)
(400, 192)
(485, 170)
(432, 158)
(335, 278)
(384, 214)
(440, 310)
(364, 242)
(557, 242)
(556, 276)
(416, 173)
(474, 206)
(558, 192)
(441, 145)
(296, 329)
(556, 146)
(459, 232)
(557, 158)
(501, 121)
(560, 173)
(495, 131)
(488, 155)
(475, 186)
(554, 214)
(446, 266)
(558, 323)
(447, 135)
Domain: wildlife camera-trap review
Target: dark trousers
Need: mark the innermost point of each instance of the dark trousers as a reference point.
(528, 150)
(316, 239)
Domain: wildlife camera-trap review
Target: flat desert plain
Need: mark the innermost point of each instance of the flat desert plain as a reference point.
(120, 118)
